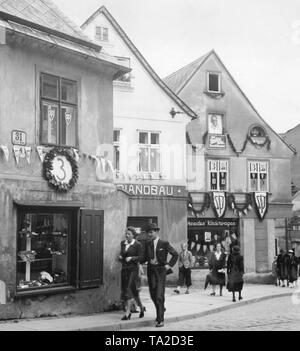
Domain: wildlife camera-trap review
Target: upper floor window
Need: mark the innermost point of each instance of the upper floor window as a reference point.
(59, 103)
(149, 152)
(218, 175)
(214, 82)
(258, 176)
(117, 149)
(101, 34)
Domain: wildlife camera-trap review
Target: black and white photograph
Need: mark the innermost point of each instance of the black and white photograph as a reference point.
(149, 168)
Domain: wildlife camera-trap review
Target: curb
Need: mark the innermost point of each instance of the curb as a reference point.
(150, 323)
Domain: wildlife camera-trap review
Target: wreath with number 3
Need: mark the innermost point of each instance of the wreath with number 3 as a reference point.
(47, 168)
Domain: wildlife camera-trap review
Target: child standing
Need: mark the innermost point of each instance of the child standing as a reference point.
(185, 263)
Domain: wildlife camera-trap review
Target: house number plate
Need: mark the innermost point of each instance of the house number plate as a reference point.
(18, 137)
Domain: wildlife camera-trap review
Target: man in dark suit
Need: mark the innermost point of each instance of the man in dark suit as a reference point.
(156, 254)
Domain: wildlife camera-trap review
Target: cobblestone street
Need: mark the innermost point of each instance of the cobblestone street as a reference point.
(274, 314)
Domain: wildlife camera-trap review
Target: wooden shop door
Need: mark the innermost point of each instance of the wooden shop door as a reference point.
(91, 248)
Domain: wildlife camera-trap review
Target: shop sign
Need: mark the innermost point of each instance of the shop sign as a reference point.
(152, 190)
(18, 137)
(195, 222)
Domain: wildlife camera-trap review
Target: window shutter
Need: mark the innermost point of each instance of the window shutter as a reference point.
(91, 249)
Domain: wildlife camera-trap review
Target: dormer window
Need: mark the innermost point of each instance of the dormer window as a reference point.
(101, 34)
(213, 82)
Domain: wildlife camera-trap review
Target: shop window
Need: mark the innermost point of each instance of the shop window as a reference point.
(214, 82)
(101, 33)
(116, 143)
(53, 252)
(58, 111)
(149, 152)
(218, 175)
(44, 249)
(204, 235)
(258, 176)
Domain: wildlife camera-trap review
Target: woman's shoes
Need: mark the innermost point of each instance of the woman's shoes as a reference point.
(142, 313)
(240, 298)
(221, 294)
(213, 294)
(233, 300)
(126, 318)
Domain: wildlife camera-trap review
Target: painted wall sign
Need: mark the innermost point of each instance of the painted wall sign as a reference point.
(217, 141)
(18, 137)
(195, 222)
(62, 169)
(153, 190)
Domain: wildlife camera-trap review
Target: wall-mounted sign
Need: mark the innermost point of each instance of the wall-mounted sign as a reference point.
(60, 169)
(18, 137)
(226, 222)
(153, 190)
(217, 141)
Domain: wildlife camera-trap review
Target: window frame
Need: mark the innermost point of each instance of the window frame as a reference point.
(149, 147)
(71, 283)
(249, 161)
(60, 103)
(208, 172)
(103, 37)
(208, 73)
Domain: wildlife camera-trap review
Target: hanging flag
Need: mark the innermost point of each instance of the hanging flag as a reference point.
(40, 151)
(76, 155)
(5, 151)
(110, 166)
(28, 153)
(17, 152)
(261, 203)
(219, 201)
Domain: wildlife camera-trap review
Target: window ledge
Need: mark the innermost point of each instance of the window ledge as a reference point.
(44, 291)
(214, 95)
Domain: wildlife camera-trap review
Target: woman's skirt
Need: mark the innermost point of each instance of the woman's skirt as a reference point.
(235, 282)
(130, 283)
(217, 278)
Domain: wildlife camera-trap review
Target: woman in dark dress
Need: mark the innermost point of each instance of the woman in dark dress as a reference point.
(130, 256)
(293, 269)
(217, 263)
(235, 271)
(283, 263)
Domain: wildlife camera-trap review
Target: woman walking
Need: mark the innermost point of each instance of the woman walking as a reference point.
(235, 271)
(293, 269)
(217, 263)
(185, 263)
(130, 256)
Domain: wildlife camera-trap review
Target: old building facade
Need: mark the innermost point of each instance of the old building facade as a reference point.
(237, 181)
(149, 136)
(61, 215)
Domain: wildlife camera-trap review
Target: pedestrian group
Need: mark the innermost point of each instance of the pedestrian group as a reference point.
(154, 252)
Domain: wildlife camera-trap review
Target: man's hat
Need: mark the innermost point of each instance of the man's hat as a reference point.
(152, 226)
(236, 249)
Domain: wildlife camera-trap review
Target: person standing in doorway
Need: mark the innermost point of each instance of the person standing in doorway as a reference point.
(217, 265)
(185, 263)
(156, 254)
(235, 271)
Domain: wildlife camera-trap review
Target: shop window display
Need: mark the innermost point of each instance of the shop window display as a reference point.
(203, 241)
(42, 251)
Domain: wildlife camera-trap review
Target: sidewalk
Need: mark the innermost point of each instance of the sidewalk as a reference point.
(178, 307)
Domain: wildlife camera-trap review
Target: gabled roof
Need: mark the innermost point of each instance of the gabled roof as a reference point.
(180, 78)
(177, 80)
(43, 21)
(140, 57)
